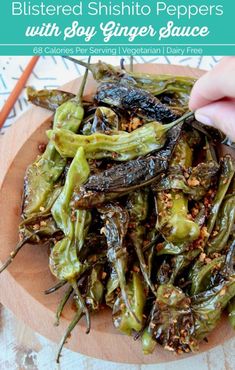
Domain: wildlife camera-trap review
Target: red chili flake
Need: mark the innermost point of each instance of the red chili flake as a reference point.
(42, 148)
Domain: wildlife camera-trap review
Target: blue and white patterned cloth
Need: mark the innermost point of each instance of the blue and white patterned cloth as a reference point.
(52, 72)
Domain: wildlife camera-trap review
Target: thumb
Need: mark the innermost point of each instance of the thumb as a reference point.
(219, 114)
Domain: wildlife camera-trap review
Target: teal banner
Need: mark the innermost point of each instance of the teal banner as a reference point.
(114, 27)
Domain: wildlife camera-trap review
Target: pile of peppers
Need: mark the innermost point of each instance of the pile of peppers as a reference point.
(137, 207)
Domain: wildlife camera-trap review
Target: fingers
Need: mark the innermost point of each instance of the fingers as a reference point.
(214, 85)
(213, 97)
(220, 115)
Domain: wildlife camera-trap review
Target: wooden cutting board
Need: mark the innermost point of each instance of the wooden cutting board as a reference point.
(23, 284)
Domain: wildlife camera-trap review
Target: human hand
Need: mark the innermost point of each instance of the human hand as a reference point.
(213, 97)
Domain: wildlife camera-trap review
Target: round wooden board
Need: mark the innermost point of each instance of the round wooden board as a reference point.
(23, 284)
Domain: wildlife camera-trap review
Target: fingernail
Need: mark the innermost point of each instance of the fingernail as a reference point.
(203, 119)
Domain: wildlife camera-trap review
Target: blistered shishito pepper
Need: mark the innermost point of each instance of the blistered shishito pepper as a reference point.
(121, 179)
(95, 288)
(156, 84)
(138, 210)
(179, 323)
(122, 319)
(43, 174)
(171, 320)
(201, 276)
(226, 176)
(231, 310)
(136, 173)
(134, 100)
(93, 199)
(105, 120)
(172, 206)
(201, 178)
(179, 249)
(128, 176)
(184, 255)
(208, 306)
(148, 343)
(224, 225)
(121, 147)
(64, 262)
(111, 287)
(81, 227)
(116, 221)
(49, 99)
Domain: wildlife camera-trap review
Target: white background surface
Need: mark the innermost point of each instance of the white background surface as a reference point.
(20, 347)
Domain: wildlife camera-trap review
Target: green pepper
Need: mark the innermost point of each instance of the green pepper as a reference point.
(150, 249)
(231, 310)
(227, 172)
(148, 343)
(171, 320)
(112, 285)
(179, 322)
(208, 306)
(122, 319)
(42, 175)
(201, 178)
(83, 199)
(138, 209)
(95, 287)
(64, 263)
(121, 147)
(115, 228)
(223, 226)
(170, 248)
(49, 99)
(154, 83)
(40, 180)
(201, 274)
(173, 91)
(172, 206)
(105, 120)
(182, 261)
(81, 227)
(226, 176)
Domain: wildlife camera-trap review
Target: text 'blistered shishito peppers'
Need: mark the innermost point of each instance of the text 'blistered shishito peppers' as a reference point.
(137, 207)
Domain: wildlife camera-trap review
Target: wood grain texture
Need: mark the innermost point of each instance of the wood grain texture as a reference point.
(23, 284)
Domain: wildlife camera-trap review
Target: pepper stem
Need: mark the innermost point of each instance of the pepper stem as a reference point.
(16, 251)
(62, 303)
(183, 118)
(67, 333)
(55, 287)
(80, 301)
